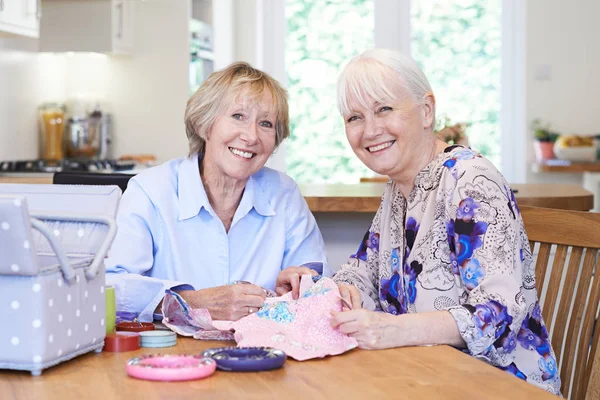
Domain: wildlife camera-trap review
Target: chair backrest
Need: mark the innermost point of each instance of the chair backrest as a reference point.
(92, 178)
(566, 271)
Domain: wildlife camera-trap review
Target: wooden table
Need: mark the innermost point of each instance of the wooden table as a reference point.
(366, 197)
(412, 373)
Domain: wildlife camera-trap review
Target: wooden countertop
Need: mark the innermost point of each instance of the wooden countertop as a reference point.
(412, 372)
(366, 197)
(573, 167)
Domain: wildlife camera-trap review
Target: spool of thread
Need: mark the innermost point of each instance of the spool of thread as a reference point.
(119, 342)
(135, 326)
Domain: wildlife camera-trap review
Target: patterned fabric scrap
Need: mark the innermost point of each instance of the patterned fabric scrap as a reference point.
(298, 327)
(182, 319)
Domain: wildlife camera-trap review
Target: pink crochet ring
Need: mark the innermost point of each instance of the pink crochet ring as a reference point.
(170, 367)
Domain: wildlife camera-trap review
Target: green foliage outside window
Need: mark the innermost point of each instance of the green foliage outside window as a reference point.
(321, 36)
(456, 42)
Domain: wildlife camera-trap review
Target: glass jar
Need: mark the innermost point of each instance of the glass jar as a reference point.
(52, 128)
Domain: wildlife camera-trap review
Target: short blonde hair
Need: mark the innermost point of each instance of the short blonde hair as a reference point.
(225, 86)
(374, 72)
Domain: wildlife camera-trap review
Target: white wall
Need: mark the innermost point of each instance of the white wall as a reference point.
(564, 36)
(203, 10)
(18, 102)
(149, 90)
(146, 92)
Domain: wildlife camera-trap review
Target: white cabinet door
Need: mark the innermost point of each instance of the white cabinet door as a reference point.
(20, 17)
(122, 26)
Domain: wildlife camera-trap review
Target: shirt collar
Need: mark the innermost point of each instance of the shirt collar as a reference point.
(192, 196)
(190, 190)
(255, 197)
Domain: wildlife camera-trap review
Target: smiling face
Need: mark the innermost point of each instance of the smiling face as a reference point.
(242, 137)
(390, 137)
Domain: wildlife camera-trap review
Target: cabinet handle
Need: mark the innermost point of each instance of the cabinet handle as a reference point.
(120, 30)
(38, 9)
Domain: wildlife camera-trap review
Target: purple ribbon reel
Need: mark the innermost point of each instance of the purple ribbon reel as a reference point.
(246, 359)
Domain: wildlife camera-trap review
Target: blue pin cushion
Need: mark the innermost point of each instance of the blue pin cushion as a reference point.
(246, 358)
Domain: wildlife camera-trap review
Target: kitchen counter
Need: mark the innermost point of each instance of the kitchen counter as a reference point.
(365, 197)
(26, 178)
(344, 212)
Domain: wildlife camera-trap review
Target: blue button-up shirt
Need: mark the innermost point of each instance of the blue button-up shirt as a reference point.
(170, 237)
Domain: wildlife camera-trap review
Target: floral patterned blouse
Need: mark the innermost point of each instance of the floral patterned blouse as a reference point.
(458, 243)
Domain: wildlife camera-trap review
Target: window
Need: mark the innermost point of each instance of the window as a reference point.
(322, 35)
(456, 42)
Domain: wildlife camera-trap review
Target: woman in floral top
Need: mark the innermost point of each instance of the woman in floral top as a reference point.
(446, 258)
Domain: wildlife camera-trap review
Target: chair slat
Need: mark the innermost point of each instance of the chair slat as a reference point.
(593, 384)
(566, 301)
(568, 357)
(579, 365)
(558, 266)
(582, 364)
(541, 265)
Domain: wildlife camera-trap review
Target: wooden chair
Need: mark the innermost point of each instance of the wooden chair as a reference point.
(572, 292)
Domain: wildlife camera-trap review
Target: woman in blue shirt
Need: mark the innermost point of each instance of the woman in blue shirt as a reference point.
(198, 224)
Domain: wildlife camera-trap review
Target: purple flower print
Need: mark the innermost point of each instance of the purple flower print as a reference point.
(512, 202)
(370, 241)
(451, 162)
(536, 313)
(507, 341)
(530, 341)
(490, 317)
(454, 263)
(472, 274)
(547, 364)
(467, 209)
(450, 231)
(512, 368)
(466, 246)
(389, 292)
(395, 260)
(373, 242)
(466, 154)
(412, 228)
(482, 317)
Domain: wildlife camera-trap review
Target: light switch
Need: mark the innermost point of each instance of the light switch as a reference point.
(543, 72)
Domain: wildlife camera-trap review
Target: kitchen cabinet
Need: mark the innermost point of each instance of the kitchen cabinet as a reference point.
(100, 26)
(20, 17)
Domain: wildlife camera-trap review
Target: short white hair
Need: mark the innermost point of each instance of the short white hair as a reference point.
(373, 74)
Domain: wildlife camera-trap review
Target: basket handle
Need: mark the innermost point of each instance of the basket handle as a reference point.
(66, 268)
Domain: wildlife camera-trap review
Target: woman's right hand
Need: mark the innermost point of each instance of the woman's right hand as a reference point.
(351, 295)
(228, 302)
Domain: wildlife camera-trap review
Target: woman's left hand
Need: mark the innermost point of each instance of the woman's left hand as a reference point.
(372, 330)
(289, 280)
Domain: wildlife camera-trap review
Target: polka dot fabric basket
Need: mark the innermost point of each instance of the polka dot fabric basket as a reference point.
(53, 241)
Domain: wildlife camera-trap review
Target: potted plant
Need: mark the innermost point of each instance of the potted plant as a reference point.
(544, 141)
(452, 133)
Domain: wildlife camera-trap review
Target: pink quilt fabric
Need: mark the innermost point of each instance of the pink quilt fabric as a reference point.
(298, 327)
